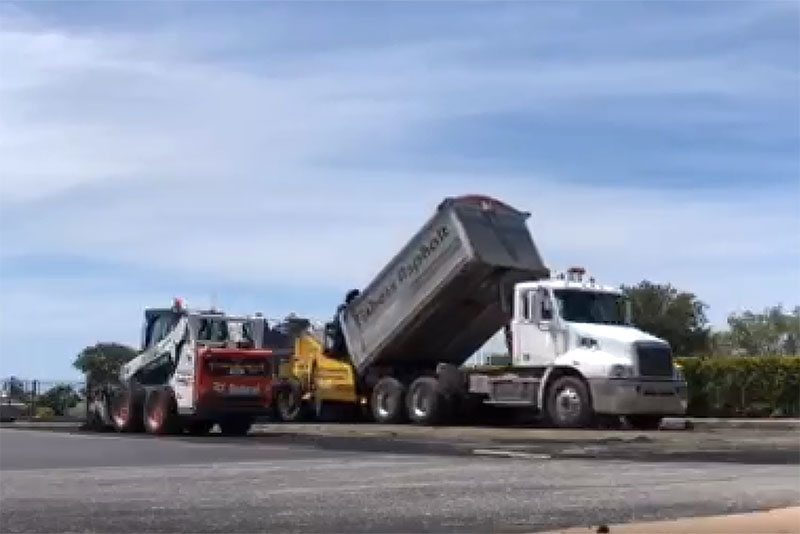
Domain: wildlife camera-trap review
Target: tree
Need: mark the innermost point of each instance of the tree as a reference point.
(59, 398)
(722, 344)
(772, 332)
(675, 316)
(102, 362)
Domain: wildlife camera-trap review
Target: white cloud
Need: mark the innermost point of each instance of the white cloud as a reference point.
(84, 108)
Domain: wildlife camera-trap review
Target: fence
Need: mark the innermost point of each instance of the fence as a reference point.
(42, 399)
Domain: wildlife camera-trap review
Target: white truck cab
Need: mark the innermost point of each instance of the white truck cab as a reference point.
(569, 325)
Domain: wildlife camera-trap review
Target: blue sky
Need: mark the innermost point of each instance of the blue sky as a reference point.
(271, 156)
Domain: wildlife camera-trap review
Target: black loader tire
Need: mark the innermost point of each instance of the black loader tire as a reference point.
(126, 410)
(388, 401)
(288, 404)
(425, 402)
(160, 413)
(569, 404)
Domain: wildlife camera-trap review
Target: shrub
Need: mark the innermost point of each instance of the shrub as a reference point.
(759, 386)
(44, 412)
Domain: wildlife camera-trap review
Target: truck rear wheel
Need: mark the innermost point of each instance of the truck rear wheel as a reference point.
(387, 401)
(425, 402)
(126, 411)
(161, 413)
(568, 403)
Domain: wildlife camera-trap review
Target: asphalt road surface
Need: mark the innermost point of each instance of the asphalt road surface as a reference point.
(58, 481)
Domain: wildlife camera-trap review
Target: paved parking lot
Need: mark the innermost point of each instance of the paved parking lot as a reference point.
(56, 481)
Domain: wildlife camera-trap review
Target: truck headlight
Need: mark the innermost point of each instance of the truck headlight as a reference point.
(621, 371)
(588, 343)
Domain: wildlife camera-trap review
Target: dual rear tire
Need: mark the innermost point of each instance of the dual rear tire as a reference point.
(387, 401)
(423, 401)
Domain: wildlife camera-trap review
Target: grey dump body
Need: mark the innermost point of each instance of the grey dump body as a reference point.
(447, 291)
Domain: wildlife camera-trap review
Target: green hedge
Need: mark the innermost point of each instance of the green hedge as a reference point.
(762, 386)
(44, 412)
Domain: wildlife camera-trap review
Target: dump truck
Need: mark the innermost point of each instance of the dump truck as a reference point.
(195, 369)
(397, 349)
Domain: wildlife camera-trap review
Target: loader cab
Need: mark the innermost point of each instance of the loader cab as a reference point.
(158, 322)
(213, 328)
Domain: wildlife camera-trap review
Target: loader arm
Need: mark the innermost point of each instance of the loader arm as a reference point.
(166, 348)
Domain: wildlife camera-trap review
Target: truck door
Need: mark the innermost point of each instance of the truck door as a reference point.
(535, 336)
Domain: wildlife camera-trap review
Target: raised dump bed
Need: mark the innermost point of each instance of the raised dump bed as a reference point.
(447, 291)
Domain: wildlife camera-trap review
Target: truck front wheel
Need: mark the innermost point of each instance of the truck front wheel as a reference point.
(568, 403)
(387, 401)
(424, 402)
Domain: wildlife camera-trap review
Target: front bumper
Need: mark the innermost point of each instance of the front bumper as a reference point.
(634, 397)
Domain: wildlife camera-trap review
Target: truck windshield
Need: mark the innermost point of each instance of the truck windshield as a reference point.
(588, 307)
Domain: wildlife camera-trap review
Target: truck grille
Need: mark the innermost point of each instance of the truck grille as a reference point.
(654, 359)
